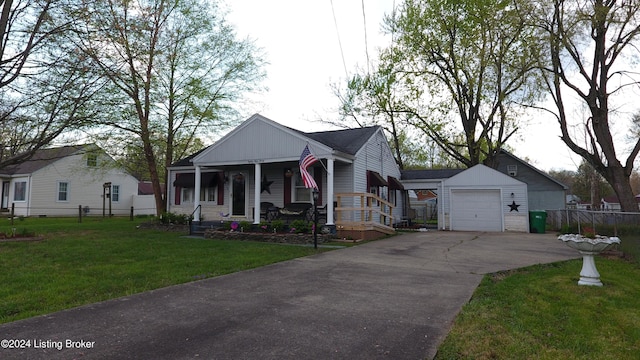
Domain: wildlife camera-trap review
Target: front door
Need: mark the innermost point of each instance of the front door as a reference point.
(5, 195)
(238, 203)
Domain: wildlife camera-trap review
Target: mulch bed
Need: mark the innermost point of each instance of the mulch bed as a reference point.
(283, 238)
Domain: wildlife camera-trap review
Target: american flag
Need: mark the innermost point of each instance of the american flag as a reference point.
(306, 159)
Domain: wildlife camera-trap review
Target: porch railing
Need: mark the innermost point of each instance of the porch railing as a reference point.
(363, 211)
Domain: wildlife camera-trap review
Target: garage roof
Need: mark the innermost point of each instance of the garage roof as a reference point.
(429, 174)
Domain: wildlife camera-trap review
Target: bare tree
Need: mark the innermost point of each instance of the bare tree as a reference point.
(174, 68)
(40, 99)
(591, 45)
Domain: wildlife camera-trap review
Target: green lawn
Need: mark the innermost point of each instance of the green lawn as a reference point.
(541, 313)
(103, 258)
(534, 313)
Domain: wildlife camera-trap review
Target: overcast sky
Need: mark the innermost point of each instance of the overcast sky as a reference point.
(303, 45)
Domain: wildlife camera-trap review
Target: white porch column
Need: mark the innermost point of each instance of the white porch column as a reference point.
(256, 196)
(196, 194)
(330, 192)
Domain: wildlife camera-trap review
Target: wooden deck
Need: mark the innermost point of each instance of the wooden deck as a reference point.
(363, 216)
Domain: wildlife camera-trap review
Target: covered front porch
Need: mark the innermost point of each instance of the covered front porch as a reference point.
(253, 174)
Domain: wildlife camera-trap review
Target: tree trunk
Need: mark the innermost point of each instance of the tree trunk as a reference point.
(619, 180)
(155, 178)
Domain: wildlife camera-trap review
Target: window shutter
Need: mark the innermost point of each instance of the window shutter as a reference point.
(287, 190)
(178, 191)
(221, 188)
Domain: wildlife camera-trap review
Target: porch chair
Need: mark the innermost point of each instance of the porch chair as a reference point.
(268, 211)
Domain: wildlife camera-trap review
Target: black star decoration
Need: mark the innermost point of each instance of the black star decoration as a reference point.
(513, 206)
(265, 184)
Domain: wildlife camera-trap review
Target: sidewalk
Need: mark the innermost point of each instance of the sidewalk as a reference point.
(393, 298)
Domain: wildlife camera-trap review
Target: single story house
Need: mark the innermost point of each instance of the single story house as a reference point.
(253, 173)
(60, 181)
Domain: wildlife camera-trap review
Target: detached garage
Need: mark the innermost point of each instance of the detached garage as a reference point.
(483, 199)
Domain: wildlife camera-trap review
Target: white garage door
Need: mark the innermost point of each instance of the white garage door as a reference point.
(476, 210)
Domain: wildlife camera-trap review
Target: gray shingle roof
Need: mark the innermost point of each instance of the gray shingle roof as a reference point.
(41, 159)
(187, 161)
(429, 174)
(347, 140)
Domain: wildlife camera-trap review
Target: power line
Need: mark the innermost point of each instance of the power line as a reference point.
(366, 43)
(335, 21)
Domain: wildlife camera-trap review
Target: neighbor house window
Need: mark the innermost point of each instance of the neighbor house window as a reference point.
(115, 192)
(301, 193)
(20, 191)
(63, 191)
(92, 160)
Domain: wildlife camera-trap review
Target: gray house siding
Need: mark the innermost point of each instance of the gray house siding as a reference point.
(544, 193)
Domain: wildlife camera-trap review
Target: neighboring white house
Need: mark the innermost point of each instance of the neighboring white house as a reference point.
(61, 181)
(257, 162)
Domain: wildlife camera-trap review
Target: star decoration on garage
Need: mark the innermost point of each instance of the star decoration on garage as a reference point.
(513, 206)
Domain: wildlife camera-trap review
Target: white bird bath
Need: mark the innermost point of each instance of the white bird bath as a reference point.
(589, 247)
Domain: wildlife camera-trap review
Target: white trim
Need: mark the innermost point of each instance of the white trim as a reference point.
(66, 191)
(330, 192)
(196, 194)
(257, 179)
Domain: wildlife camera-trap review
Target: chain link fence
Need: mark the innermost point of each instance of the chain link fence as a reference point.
(572, 219)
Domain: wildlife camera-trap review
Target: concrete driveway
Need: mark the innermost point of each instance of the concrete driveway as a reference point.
(393, 298)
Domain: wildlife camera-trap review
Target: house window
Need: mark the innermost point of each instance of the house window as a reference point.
(63, 191)
(512, 170)
(392, 197)
(208, 194)
(115, 193)
(375, 190)
(92, 160)
(187, 195)
(301, 193)
(20, 191)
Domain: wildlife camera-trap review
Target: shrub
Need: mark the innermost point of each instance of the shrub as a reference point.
(300, 226)
(176, 219)
(245, 226)
(277, 225)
